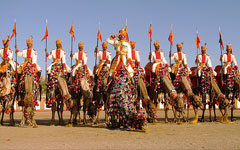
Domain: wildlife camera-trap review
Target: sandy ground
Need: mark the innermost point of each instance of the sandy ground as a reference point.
(207, 135)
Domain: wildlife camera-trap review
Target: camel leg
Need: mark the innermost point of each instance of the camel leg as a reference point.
(203, 113)
(58, 111)
(221, 117)
(214, 112)
(84, 112)
(210, 112)
(232, 109)
(53, 113)
(188, 113)
(34, 123)
(196, 116)
(98, 113)
(174, 114)
(226, 117)
(232, 119)
(61, 114)
(22, 123)
(3, 111)
(166, 113)
(12, 122)
(106, 107)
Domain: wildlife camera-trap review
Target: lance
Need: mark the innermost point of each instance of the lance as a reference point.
(16, 47)
(150, 52)
(97, 46)
(71, 50)
(221, 49)
(46, 79)
(170, 49)
(197, 60)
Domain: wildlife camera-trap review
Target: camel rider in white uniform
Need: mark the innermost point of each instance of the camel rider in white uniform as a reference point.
(59, 56)
(135, 55)
(204, 60)
(157, 58)
(228, 60)
(7, 57)
(81, 60)
(104, 57)
(123, 53)
(180, 59)
(30, 55)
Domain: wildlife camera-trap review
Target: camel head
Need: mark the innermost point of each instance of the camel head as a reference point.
(179, 102)
(5, 86)
(197, 101)
(223, 101)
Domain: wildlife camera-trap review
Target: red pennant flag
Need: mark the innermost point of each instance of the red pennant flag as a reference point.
(126, 33)
(99, 35)
(72, 32)
(150, 32)
(170, 38)
(46, 34)
(14, 30)
(221, 41)
(198, 41)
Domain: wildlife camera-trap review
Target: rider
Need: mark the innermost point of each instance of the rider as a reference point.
(157, 57)
(7, 56)
(229, 60)
(59, 56)
(104, 57)
(180, 59)
(135, 56)
(30, 55)
(204, 61)
(123, 53)
(81, 60)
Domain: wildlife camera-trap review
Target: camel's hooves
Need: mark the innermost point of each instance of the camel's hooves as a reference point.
(194, 122)
(180, 123)
(143, 130)
(35, 126)
(69, 125)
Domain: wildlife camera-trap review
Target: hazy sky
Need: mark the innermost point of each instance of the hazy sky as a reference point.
(185, 15)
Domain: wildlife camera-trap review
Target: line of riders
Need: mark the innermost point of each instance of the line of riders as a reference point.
(129, 93)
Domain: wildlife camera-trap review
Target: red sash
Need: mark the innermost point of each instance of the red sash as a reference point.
(179, 56)
(5, 55)
(229, 57)
(80, 55)
(104, 55)
(158, 54)
(133, 55)
(203, 58)
(58, 52)
(29, 52)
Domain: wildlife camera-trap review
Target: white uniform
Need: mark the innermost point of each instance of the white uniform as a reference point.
(104, 57)
(181, 58)
(81, 60)
(230, 59)
(123, 50)
(206, 61)
(135, 56)
(30, 54)
(157, 57)
(57, 55)
(8, 54)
